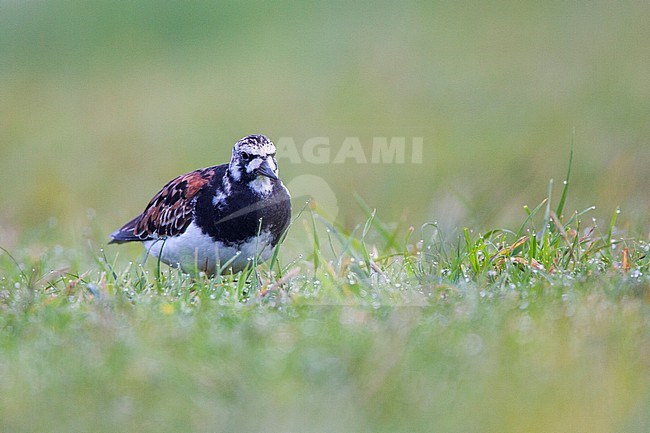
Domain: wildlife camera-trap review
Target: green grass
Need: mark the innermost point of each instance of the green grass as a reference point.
(382, 329)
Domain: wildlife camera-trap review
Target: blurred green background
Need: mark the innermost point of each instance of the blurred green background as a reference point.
(102, 102)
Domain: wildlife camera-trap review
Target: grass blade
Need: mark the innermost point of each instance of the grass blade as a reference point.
(565, 189)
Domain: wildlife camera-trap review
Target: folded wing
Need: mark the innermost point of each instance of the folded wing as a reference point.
(169, 212)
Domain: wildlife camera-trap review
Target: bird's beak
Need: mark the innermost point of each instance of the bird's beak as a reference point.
(265, 170)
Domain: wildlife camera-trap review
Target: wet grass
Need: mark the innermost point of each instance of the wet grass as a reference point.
(543, 328)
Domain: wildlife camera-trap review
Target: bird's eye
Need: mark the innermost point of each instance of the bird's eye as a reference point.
(245, 155)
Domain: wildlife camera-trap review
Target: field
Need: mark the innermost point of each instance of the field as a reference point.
(458, 289)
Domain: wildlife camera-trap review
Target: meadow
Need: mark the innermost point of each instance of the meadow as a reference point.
(458, 289)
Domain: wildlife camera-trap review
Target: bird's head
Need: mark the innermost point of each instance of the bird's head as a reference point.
(253, 160)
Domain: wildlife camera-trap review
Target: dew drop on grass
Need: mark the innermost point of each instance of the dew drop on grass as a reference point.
(17, 285)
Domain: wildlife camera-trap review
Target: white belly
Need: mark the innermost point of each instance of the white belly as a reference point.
(195, 251)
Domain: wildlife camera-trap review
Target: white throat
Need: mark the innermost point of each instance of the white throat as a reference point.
(261, 186)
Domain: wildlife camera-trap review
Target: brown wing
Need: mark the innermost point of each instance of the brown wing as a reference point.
(169, 212)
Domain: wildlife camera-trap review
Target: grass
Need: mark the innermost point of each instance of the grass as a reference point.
(545, 328)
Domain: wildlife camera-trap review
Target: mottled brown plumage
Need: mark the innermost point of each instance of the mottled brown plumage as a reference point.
(170, 211)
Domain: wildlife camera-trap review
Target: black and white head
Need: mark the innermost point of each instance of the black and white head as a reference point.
(253, 162)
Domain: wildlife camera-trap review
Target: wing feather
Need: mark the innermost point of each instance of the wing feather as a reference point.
(169, 212)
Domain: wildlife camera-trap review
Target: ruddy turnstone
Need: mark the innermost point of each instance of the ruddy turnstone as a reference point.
(217, 218)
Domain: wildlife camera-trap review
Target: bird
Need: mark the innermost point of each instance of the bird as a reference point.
(217, 219)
